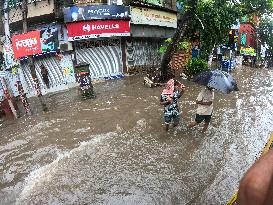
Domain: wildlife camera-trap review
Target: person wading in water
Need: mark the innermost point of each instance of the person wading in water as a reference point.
(169, 97)
(204, 110)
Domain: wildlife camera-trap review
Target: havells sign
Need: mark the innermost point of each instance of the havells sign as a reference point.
(94, 29)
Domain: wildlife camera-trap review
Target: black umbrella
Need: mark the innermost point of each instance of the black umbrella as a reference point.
(217, 79)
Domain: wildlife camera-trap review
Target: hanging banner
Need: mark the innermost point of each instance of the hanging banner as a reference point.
(8, 56)
(153, 17)
(86, 13)
(49, 38)
(26, 44)
(95, 29)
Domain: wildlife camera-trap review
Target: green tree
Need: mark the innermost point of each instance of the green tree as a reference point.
(186, 17)
(265, 31)
(211, 19)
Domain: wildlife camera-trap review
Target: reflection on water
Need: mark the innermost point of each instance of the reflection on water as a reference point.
(113, 150)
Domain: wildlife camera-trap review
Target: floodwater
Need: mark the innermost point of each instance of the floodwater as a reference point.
(113, 150)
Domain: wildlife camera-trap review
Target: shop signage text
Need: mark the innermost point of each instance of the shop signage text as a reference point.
(98, 43)
(95, 29)
(26, 44)
(153, 17)
(87, 13)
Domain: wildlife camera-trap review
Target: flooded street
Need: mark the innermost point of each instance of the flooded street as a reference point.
(114, 150)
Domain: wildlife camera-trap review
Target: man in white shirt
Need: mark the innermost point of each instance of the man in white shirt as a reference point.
(263, 51)
(204, 108)
(219, 53)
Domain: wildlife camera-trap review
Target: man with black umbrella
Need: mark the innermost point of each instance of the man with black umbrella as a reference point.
(204, 110)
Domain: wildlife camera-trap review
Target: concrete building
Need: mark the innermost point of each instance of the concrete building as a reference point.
(113, 36)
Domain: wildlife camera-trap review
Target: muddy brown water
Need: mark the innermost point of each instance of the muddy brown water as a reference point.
(113, 150)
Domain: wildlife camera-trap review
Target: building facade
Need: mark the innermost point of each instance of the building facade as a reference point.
(97, 33)
(112, 36)
(151, 23)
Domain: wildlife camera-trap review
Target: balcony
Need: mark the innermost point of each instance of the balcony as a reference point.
(17, 3)
(39, 11)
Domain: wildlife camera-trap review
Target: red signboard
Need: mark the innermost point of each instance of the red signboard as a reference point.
(26, 44)
(95, 29)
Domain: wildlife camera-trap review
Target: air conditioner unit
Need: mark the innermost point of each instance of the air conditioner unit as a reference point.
(66, 46)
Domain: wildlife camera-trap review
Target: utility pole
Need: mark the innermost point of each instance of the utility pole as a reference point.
(20, 88)
(5, 19)
(31, 60)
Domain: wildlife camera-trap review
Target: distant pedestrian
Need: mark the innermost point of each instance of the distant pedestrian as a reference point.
(195, 51)
(204, 110)
(44, 73)
(169, 97)
(219, 54)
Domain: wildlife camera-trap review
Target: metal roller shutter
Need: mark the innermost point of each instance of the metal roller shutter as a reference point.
(104, 57)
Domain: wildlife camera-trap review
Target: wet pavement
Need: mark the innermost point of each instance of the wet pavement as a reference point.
(113, 150)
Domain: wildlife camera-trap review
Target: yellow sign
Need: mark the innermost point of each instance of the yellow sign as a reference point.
(248, 51)
(153, 17)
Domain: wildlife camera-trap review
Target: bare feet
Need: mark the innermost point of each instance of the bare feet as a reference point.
(192, 124)
(205, 127)
(167, 128)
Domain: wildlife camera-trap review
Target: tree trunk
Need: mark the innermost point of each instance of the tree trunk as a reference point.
(178, 36)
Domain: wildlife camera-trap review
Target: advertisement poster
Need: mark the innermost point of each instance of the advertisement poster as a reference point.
(68, 70)
(8, 56)
(49, 38)
(26, 44)
(95, 29)
(86, 13)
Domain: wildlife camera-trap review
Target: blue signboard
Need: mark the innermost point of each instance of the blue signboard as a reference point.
(86, 13)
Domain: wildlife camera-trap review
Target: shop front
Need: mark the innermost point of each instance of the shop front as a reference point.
(97, 33)
(58, 72)
(103, 55)
(149, 28)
